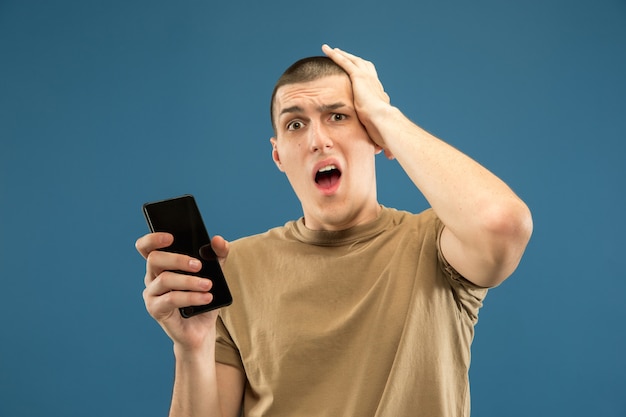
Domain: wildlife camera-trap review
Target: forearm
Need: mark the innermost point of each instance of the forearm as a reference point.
(459, 189)
(478, 208)
(195, 390)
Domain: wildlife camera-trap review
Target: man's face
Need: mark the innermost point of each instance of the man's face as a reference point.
(326, 153)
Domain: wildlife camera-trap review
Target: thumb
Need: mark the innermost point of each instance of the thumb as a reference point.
(220, 246)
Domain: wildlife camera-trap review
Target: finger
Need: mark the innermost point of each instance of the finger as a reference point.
(220, 246)
(165, 305)
(351, 57)
(340, 53)
(153, 241)
(172, 281)
(160, 261)
(345, 59)
(340, 59)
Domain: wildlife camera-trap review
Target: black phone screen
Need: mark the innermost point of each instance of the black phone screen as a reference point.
(180, 217)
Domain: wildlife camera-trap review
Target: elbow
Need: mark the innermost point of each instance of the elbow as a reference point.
(509, 228)
(511, 224)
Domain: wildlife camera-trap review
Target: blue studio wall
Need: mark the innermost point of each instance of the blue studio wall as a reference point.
(106, 105)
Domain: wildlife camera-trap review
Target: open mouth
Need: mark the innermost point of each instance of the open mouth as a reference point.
(327, 176)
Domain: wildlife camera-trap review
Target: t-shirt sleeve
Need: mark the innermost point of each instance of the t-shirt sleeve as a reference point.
(469, 296)
(226, 351)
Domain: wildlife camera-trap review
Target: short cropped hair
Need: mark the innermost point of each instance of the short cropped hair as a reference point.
(302, 71)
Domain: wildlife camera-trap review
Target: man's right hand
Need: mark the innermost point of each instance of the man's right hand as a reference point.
(167, 291)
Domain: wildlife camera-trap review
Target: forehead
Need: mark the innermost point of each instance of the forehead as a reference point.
(325, 90)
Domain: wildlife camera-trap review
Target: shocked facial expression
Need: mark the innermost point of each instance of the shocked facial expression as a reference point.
(326, 153)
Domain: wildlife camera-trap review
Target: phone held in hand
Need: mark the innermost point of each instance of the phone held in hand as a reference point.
(180, 217)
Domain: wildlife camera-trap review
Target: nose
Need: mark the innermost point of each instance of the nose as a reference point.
(320, 138)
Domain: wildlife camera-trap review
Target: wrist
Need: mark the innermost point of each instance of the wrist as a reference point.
(385, 123)
(378, 115)
(193, 357)
(196, 351)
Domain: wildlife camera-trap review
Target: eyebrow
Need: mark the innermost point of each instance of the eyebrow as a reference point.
(330, 107)
(292, 109)
(323, 108)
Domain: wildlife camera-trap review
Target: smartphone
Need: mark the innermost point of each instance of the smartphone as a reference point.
(180, 217)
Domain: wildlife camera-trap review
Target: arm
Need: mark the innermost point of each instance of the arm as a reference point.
(194, 393)
(201, 386)
(487, 226)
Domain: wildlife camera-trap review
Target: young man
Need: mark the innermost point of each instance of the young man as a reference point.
(355, 309)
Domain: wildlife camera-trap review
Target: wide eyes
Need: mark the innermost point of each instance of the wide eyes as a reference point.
(294, 125)
(299, 124)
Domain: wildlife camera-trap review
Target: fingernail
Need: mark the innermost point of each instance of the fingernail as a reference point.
(195, 264)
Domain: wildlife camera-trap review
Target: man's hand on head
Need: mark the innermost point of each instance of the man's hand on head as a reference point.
(370, 99)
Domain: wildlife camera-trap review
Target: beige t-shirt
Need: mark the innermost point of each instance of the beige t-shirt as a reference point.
(369, 321)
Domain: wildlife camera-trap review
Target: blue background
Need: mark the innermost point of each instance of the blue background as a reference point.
(107, 105)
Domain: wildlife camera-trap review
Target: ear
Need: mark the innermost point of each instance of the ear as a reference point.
(275, 155)
(378, 149)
